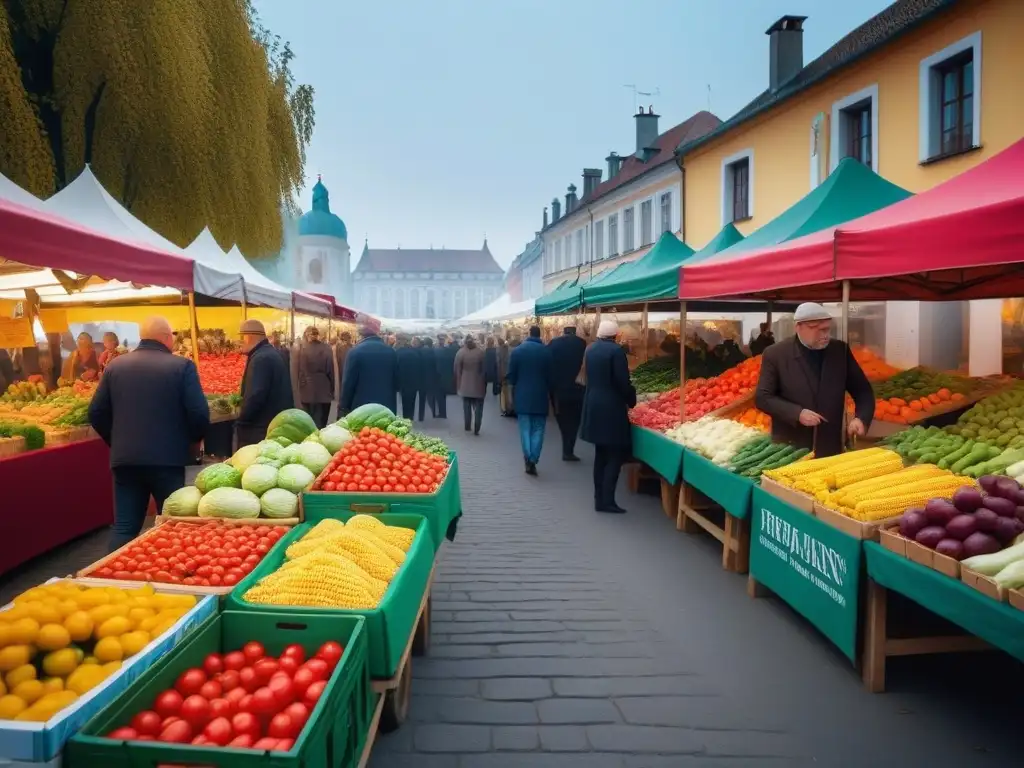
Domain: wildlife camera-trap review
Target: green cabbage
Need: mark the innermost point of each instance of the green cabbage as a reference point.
(268, 448)
(334, 437)
(184, 502)
(218, 476)
(267, 461)
(278, 503)
(232, 503)
(244, 457)
(259, 478)
(289, 455)
(313, 457)
(314, 438)
(294, 477)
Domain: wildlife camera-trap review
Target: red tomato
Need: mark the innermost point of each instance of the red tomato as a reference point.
(178, 732)
(213, 664)
(249, 679)
(145, 737)
(282, 690)
(168, 703)
(200, 740)
(281, 727)
(190, 681)
(246, 723)
(313, 693)
(243, 741)
(219, 731)
(147, 722)
(253, 652)
(221, 708)
(265, 669)
(288, 664)
(235, 695)
(229, 679)
(264, 702)
(211, 689)
(294, 651)
(245, 703)
(299, 713)
(266, 743)
(234, 660)
(195, 711)
(284, 745)
(123, 734)
(321, 669)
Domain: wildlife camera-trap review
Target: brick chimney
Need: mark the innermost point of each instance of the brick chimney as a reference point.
(614, 164)
(556, 210)
(571, 200)
(646, 131)
(786, 50)
(591, 178)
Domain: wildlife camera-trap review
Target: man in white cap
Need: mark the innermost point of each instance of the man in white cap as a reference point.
(803, 386)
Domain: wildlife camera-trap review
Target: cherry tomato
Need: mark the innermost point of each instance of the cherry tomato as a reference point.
(168, 703)
(178, 732)
(321, 669)
(213, 664)
(219, 731)
(266, 743)
(288, 664)
(294, 651)
(229, 679)
(264, 702)
(234, 660)
(282, 690)
(198, 741)
(190, 681)
(265, 669)
(253, 652)
(313, 693)
(244, 741)
(284, 745)
(234, 696)
(331, 653)
(249, 679)
(211, 689)
(221, 708)
(281, 727)
(123, 734)
(195, 710)
(147, 722)
(299, 713)
(246, 723)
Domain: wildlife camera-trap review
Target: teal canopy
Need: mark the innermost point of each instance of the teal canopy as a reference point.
(851, 190)
(653, 277)
(565, 298)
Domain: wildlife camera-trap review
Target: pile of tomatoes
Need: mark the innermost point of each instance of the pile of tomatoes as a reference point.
(241, 699)
(221, 374)
(212, 554)
(378, 462)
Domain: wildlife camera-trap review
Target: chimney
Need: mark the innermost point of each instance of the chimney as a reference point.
(545, 218)
(591, 178)
(786, 50)
(614, 164)
(646, 131)
(570, 199)
(556, 210)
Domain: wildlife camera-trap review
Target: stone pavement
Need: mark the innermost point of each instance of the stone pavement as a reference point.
(565, 638)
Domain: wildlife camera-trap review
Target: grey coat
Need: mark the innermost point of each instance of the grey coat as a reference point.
(470, 377)
(316, 373)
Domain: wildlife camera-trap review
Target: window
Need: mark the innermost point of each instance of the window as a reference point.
(400, 302)
(460, 302)
(855, 128)
(628, 231)
(666, 212)
(371, 298)
(646, 222)
(569, 257)
(414, 303)
(446, 303)
(386, 308)
(737, 187)
(431, 310)
(950, 105)
(580, 258)
(558, 256)
(598, 240)
(613, 235)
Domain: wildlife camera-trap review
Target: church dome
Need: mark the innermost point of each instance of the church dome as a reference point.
(319, 221)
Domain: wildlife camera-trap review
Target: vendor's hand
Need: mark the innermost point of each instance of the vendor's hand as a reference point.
(810, 418)
(855, 428)
(88, 375)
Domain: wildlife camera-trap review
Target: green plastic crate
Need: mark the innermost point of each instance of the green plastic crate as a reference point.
(388, 626)
(441, 508)
(334, 736)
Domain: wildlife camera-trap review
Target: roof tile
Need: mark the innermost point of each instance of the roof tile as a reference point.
(428, 260)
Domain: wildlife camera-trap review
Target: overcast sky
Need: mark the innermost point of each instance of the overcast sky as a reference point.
(441, 122)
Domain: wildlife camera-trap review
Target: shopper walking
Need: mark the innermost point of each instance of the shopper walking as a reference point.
(316, 378)
(491, 365)
(444, 376)
(371, 373)
(567, 360)
(471, 383)
(266, 385)
(428, 377)
(609, 396)
(410, 370)
(529, 372)
(150, 409)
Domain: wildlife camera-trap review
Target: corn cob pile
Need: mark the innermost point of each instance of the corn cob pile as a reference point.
(337, 565)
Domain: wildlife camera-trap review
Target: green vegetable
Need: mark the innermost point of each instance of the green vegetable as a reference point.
(244, 457)
(279, 503)
(269, 462)
(268, 448)
(400, 427)
(334, 436)
(291, 426)
(184, 502)
(232, 503)
(294, 477)
(427, 444)
(990, 565)
(218, 476)
(313, 457)
(259, 478)
(369, 415)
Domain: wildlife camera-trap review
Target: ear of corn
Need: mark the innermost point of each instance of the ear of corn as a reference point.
(900, 499)
(393, 535)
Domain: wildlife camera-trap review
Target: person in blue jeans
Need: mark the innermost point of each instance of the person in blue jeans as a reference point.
(530, 373)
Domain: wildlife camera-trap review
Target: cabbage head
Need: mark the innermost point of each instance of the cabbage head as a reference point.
(244, 457)
(279, 503)
(269, 448)
(184, 502)
(232, 503)
(314, 457)
(334, 437)
(294, 477)
(259, 478)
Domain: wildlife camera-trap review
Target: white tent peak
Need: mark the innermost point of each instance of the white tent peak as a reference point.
(13, 193)
(205, 248)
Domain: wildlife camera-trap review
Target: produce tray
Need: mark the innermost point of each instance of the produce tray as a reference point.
(984, 584)
(795, 499)
(440, 508)
(730, 491)
(11, 446)
(662, 454)
(333, 736)
(42, 742)
(390, 625)
(858, 529)
(287, 522)
(1017, 599)
(892, 540)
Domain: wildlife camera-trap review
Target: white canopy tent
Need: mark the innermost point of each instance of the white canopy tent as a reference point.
(11, 191)
(255, 280)
(86, 202)
(502, 308)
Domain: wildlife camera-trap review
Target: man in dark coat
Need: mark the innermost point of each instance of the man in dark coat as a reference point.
(428, 377)
(444, 376)
(410, 367)
(454, 345)
(491, 365)
(266, 385)
(803, 386)
(765, 339)
(529, 372)
(316, 378)
(371, 374)
(606, 405)
(282, 349)
(341, 350)
(150, 409)
(567, 360)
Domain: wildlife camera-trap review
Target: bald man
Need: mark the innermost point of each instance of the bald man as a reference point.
(150, 409)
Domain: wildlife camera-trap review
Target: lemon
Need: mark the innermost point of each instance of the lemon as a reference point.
(67, 607)
(43, 613)
(48, 706)
(85, 678)
(147, 624)
(102, 613)
(20, 675)
(108, 649)
(52, 685)
(5, 634)
(13, 614)
(29, 691)
(79, 625)
(111, 667)
(162, 627)
(113, 627)
(11, 707)
(3, 688)
(93, 598)
(136, 615)
(24, 631)
(133, 642)
(90, 660)
(14, 656)
(31, 595)
(53, 637)
(62, 663)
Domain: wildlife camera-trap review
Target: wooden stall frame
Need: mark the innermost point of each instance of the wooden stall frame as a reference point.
(734, 535)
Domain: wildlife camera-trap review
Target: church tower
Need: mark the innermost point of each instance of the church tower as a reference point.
(322, 263)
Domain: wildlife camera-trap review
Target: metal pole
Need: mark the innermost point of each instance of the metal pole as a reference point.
(292, 320)
(682, 356)
(193, 323)
(845, 323)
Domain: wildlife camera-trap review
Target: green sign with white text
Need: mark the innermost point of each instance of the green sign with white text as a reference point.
(810, 565)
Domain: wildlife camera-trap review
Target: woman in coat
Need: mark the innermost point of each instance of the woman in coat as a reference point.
(506, 399)
(471, 383)
(606, 405)
(491, 364)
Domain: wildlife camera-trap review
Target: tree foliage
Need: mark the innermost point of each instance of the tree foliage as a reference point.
(186, 110)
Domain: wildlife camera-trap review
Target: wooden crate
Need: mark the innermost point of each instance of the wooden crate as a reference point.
(11, 446)
(795, 499)
(984, 584)
(858, 529)
(890, 538)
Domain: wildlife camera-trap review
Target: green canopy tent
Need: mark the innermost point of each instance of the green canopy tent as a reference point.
(650, 278)
(564, 298)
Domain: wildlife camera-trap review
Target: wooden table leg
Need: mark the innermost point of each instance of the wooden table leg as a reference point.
(684, 522)
(736, 547)
(669, 498)
(756, 589)
(873, 661)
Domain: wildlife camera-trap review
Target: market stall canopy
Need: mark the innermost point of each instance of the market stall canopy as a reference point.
(963, 239)
(563, 299)
(11, 191)
(502, 308)
(86, 202)
(260, 289)
(653, 277)
(767, 260)
(341, 312)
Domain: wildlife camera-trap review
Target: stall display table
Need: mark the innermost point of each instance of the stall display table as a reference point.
(52, 496)
(705, 487)
(664, 457)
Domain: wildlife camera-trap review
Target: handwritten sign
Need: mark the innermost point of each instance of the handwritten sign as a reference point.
(16, 332)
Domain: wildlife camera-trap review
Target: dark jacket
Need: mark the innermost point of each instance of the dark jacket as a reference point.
(371, 375)
(316, 373)
(788, 384)
(410, 369)
(341, 351)
(529, 372)
(266, 389)
(566, 361)
(286, 355)
(609, 396)
(444, 367)
(150, 408)
(428, 369)
(491, 364)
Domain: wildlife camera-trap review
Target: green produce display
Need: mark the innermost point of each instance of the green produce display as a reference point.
(291, 426)
(998, 419)
(234, 503)
(369, 415)
(218, 476)
(427, 444)
(915, 383)
(762, 454)
(399, 427)
(35, 438)
(658, 375)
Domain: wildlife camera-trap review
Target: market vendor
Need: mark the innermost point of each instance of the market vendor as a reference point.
(803, 386)
(84, 363)
(110, 349)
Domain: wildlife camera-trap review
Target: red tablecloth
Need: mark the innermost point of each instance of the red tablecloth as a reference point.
(52, 496)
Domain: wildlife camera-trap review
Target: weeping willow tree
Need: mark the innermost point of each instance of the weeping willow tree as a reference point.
(186, 110)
